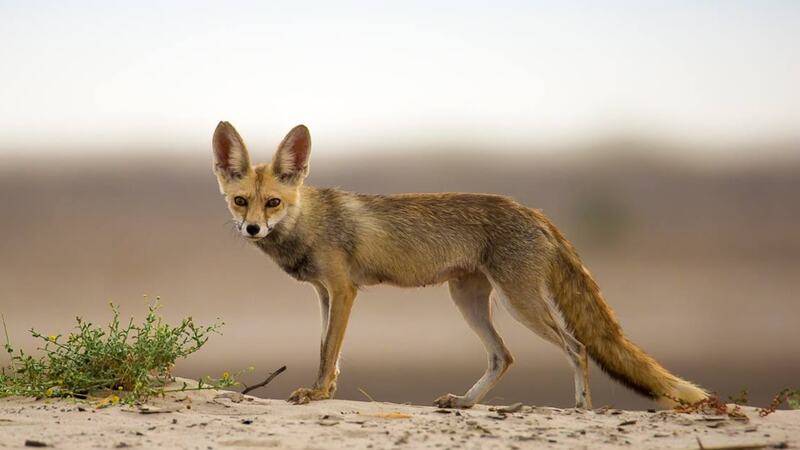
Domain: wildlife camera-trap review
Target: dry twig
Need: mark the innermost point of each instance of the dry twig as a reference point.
(366, 394)
(265, 382)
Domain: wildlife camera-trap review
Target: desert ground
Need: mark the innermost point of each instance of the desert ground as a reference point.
(211, 419)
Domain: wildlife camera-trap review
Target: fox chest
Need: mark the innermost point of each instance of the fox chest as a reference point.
(293, 257)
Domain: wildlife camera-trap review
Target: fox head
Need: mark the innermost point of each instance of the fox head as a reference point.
(263, 195)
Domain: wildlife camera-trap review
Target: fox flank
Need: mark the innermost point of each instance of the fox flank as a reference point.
(482, 245)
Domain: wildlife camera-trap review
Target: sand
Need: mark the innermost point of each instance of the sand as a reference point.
(217, 419)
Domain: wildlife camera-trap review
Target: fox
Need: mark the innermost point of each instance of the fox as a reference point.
(487, 248)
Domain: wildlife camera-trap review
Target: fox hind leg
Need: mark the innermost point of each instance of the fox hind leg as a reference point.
(531, 304)
(471, 295)
(579, 360)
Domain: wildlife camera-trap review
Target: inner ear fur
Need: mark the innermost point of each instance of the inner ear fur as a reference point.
(290, 163)
(231, 160)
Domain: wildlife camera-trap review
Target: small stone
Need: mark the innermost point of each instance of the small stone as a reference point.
(402, 440)
(234, 397)
(516, 407)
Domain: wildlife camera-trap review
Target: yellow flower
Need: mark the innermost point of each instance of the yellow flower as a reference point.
(107, 401)
(225, 375)
(52, 338)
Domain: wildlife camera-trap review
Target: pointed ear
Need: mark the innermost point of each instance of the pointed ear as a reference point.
(231, 160)
(290, 163)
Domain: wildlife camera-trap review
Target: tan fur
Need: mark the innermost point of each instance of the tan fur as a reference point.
(594, 324)
(480, 244)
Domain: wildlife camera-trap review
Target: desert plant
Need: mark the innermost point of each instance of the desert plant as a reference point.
(133, 360)
(740, 398)
(790, 396)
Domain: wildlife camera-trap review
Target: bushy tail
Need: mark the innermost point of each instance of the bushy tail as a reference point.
(593, 323)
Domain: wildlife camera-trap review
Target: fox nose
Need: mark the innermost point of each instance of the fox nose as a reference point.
(252, 230)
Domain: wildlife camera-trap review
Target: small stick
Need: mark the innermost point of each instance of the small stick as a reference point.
(265, 382)
(366, 394)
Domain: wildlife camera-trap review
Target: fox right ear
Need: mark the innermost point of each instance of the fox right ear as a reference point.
(290, 163)
(231, 160)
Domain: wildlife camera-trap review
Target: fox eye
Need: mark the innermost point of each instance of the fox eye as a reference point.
(273, 202)
(240, 201)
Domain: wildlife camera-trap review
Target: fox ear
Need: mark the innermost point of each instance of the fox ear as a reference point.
(231, 160)
(290, 163)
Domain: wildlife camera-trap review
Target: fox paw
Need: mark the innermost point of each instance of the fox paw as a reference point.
(452, 401)
(302, 396)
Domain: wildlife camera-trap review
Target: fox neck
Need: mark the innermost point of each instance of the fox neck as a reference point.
(286, 246)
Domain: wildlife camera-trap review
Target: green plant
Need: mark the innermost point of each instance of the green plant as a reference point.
(740, 398)
(793, 399)
(134, 360)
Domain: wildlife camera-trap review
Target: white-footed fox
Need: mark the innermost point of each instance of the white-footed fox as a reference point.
(481, 245)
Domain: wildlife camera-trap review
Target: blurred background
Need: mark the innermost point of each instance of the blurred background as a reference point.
(661, 137)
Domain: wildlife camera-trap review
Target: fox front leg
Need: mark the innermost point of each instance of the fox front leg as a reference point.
(340, 302)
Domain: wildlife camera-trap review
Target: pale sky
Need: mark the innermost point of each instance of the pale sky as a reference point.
(109, 75)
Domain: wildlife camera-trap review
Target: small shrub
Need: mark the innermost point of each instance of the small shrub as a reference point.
(790, 396)
(793, 399)
(740, 398)
(711, 405)
(134, 360)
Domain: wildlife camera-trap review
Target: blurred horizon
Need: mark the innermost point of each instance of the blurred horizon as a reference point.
(610, 147)
(700, 264)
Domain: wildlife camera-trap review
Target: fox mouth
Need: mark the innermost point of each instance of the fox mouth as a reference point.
(262, 233)
(257, 238)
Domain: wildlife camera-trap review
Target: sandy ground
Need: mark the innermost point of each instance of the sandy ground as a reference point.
(215, 419)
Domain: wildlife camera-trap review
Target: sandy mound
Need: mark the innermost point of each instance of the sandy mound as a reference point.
(214, 419)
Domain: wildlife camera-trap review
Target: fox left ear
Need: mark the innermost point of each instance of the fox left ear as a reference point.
(290, 163)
